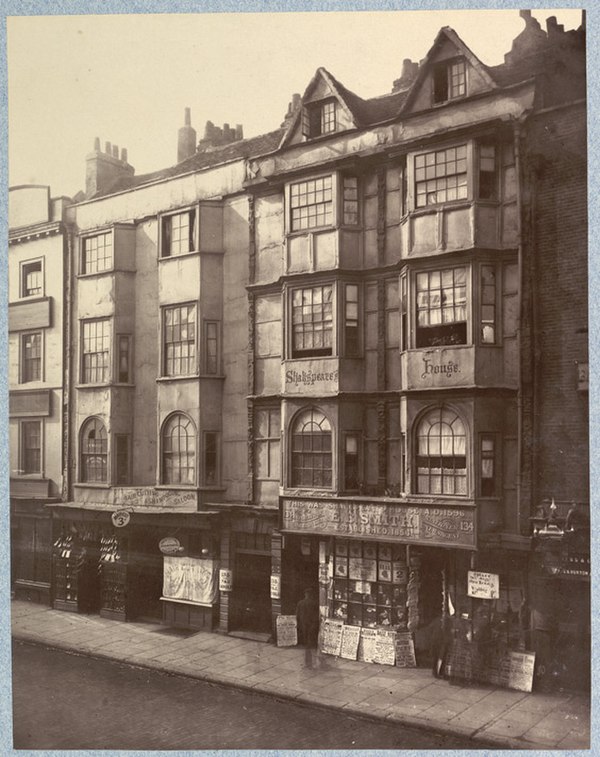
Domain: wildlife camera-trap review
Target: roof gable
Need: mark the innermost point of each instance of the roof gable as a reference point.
(448, 46)
(322, 87)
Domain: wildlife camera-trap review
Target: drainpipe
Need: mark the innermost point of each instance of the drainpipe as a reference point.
(67, 365)
(519, 174)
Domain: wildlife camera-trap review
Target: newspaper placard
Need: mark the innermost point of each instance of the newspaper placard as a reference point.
(287, 633)
(362, 569)
(366, 645)
(331, 636)
(385, 647)
(225, 580)
(514, 670)
(350, 640)
(275, 587)
(483, 585)
(405, 651)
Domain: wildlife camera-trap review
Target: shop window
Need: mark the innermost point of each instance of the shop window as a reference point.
(124, 359)
(351, 330)
(179, 345)
(351, 461)
(441, 176)
(97, 253)
(449, 80)
(488, 176)
(211, 347)
(311, 451)
(122, 460)
(179, 450)
(441, 453)
(211, 458)
(319, 118)
(31, 448)
(267, 435)
(488, 304)
(488, 465)
(178, 233)
(312, 321)
(95, 367)
(32, 281)
(94, 452)
(441, 307)
(33, 543)
(311, 203)
(31, 357)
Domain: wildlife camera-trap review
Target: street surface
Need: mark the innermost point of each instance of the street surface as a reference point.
(65, 701)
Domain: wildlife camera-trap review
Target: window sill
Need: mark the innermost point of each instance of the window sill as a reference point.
(187, 377)
(103, 385)
(316, 229)
(436, 206)
(178, 256)
(108, 272)
(30, 298)
(28, 477)
(178, 487)
(91, 485)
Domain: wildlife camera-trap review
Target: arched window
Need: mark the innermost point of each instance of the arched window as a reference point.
(311, 450)
(179, 450)
(441, 453)
(94, 452)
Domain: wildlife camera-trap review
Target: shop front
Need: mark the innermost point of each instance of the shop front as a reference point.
(131, 563)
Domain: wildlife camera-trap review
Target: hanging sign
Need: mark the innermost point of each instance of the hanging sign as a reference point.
(287, 631)
(225, 579)
(120, 518)
(275, 587)
(170, 545)
(483, 585)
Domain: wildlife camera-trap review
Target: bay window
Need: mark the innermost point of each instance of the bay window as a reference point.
(323, 201)
(441, 176)
(312, 321)
(441, 307)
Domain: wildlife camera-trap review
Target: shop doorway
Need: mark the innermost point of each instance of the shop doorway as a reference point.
(146, 571)
(300, 570)
(251, 597)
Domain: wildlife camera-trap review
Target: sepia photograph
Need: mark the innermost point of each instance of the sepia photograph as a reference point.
(297, 419)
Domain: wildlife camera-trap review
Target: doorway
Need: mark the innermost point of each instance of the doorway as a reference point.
(251, 598)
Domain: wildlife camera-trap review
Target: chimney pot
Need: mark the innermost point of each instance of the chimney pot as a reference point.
(107, 148)
(115, 151)
(124, 154)
(188, 117)
(239, 131)
(97, 144)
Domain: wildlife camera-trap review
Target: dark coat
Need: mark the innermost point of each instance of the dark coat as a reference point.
(307, 616)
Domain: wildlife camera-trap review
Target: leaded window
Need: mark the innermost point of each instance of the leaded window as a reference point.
(311, 450)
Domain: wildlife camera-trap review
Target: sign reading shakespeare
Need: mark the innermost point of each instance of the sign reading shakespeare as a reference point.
(436, 525)
(318, 375)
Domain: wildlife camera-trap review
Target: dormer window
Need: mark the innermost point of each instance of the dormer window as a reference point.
(449, 80)
(319, 118)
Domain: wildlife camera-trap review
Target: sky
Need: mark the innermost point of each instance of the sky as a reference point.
(128, 78)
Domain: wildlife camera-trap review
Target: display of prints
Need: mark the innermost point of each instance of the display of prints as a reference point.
(341, 567)
(287, 632)
(350, 641)
(355, 549)
(385, 647)
(362, 569)
(385, 552)
(370, 551)
(362, 587)
(399, 573)
(225, 580)
(341, 548)
(366, 645)
(331, 636)
(385, 570)
(275, 587)
(483, 585)
(405, 651)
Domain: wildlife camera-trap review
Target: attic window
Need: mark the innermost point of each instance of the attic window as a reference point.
(319, 118)
(449, 80)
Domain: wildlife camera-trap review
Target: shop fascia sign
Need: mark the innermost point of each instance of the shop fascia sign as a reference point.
(170, 545)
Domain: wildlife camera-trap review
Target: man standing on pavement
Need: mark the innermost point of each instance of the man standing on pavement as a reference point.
(307, 616)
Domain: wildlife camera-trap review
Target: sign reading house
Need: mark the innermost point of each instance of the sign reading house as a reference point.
(423, 524)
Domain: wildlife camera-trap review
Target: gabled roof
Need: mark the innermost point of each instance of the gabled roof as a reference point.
(446, 33)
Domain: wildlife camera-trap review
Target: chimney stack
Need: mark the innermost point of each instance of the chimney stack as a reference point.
(186, 138)
(104, 169)
(407, 76)
(292, 108)
(215, 136)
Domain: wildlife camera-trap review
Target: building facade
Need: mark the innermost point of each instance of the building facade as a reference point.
(347, 354)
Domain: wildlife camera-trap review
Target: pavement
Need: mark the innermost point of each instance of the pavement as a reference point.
(495, 717)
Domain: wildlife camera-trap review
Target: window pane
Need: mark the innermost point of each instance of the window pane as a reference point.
(311, 203)
(96, 352)
(444, 178)
(97, 253)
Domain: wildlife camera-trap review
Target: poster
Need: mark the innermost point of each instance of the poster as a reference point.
(513, 670)
(366, 645)
(225, 580)
(405, 651)
(362, 569)
(399, 573)
(385, 647)
(190, 579)
(323, 573)
(350, 640)
(275, 587)
(483, 585)
(331, 636)
(287, 633)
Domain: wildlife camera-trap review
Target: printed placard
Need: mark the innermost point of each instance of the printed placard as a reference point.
(323, 573)
(483, 585)
(366, 645)
(276, 587)
(287, 631)
(399, 573)
(331, 636)
(362, 569)
(350, 641)
(225, 580)
(405, 651)
(385, 647)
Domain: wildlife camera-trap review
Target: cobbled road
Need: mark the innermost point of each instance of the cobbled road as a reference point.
(66, 701)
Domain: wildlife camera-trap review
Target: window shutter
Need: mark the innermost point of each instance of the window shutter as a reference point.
(305, 122)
